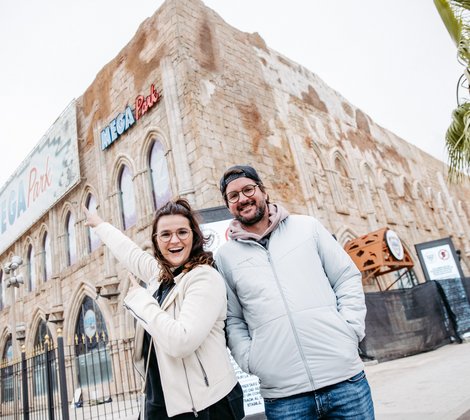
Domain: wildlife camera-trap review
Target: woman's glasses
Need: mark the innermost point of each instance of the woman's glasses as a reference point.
(248, 191)
(166, 235)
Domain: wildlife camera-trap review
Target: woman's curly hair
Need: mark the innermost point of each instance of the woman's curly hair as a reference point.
(197, 256)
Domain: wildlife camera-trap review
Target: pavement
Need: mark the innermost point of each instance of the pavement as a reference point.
(434, 385)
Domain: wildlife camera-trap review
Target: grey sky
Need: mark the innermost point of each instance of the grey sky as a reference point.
(394, 60)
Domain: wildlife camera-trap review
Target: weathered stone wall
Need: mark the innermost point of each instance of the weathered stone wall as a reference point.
(317, 152)
(227, 99)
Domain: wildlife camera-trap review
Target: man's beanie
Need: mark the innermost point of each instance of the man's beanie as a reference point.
(238, 171)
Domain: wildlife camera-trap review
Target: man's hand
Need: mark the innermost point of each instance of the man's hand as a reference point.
(92, 219)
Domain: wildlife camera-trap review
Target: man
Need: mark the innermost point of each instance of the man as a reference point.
(295, 307)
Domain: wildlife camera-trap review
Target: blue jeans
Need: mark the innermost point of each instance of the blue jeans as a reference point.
(350, 399)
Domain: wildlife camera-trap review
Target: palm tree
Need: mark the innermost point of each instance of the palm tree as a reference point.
(456, 17)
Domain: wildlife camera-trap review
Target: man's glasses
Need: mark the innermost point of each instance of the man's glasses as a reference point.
(248, 191)
(166, 235)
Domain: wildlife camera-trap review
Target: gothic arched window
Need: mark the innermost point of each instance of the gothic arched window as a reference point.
(40, 362)
(159, 177)
(91, 339)
(127, 198)
(31, 268)
(93, 240)
(46, 257)
(70, 239)
(6, 373)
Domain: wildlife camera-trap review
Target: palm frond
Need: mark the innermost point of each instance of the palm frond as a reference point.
(458, 143)
(451, 22)
(463, 4)
(456, 17)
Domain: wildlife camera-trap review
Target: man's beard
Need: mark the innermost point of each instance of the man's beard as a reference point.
(259, 214)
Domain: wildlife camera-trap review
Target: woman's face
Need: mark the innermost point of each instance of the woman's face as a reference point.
(174, 239)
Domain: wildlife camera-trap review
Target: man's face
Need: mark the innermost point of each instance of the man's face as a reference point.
(248, 210)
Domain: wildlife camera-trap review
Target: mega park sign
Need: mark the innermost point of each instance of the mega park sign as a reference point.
(126, 119)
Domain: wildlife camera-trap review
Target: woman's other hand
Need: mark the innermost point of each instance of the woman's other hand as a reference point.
(92, 219)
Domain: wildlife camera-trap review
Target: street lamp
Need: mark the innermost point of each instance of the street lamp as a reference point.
(10, 268)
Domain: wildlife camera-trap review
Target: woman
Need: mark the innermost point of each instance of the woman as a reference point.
(182, 343)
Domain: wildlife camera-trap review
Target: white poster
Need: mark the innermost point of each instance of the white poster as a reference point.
(252, 399)
(43, 178)
(440, 262)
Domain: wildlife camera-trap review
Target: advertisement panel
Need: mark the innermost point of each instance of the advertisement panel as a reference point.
(43, 178)
(439, 260)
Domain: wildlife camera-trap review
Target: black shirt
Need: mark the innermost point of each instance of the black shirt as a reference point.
(154, 391)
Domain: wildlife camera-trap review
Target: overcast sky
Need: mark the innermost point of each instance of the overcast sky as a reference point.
(394, 60)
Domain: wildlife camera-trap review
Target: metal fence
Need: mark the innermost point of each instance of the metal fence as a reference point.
(91, 379)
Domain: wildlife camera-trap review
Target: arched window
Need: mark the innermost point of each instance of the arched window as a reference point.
(127, 198)
(40, 363)
(91, 338)
(6, 373)
(159, 177)
(93, 240)
(31, 268)
(2, 303)
(71, 241)
(46, 258)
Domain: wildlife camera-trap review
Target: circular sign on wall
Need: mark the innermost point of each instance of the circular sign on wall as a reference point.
(394, 244)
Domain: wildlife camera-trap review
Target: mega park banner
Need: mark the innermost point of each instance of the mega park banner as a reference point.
(43, 178)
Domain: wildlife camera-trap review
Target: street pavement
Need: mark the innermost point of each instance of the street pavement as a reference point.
(434, 385)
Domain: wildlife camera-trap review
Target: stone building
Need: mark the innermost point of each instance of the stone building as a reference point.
(188, 96)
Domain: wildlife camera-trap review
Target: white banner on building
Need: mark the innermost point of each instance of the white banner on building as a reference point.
(43, 178)
(252, 399)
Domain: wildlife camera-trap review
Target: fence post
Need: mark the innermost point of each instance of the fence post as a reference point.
(50, 391)
(24, 381)
(62, 376)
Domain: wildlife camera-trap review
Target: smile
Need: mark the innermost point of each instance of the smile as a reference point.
(246, 205)
(175, 250)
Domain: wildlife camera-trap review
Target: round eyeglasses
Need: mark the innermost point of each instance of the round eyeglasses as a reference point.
(248, 191)
(166, 235)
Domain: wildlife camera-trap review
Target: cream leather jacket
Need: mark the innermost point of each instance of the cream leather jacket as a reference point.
(187, 330)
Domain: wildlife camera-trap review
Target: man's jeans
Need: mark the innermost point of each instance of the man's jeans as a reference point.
(350, 399)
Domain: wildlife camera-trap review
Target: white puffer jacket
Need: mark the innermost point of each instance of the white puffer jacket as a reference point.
(296, 310)
(187, 331)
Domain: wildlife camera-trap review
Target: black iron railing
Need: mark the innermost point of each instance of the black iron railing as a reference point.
(92, 379)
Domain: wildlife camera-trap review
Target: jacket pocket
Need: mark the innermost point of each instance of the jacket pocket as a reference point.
(251, 353)
(349, 329)
(203, 371)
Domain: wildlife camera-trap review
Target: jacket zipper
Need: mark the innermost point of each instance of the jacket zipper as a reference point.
(289, 316)
(189, 389)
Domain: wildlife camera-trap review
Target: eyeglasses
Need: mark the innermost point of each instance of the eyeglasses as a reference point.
(248, 191)
(166, 235)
